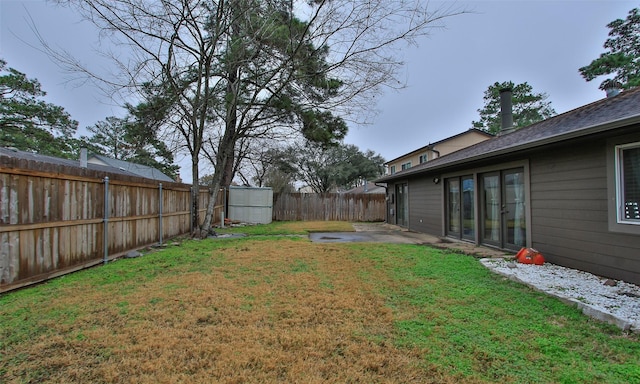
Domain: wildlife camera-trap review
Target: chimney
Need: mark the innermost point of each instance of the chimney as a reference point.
(506, 111)
(83, 157)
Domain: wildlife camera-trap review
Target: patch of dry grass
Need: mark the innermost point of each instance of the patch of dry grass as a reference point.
(262, 312)
(318, 226)
(291, 228)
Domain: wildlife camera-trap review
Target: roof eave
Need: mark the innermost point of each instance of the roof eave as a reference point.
(599, 128)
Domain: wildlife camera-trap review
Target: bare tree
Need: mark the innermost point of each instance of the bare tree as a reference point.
(252, 160)
(226, 71)
(267, 165)
(338, 168)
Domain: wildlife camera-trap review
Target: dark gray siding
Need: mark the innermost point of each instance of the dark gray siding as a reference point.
(425, 206)
(570, 215)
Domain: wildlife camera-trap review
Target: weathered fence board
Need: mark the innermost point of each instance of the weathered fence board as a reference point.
(328, 207)
(52, 218)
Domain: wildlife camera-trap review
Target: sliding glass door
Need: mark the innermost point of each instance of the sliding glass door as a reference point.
(502, 202)
(460, 207)
(514, 224)
(453, 207)
(491, 207)
(402, 204)
(468, 208)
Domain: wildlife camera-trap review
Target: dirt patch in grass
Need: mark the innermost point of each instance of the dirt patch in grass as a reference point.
(255, 312)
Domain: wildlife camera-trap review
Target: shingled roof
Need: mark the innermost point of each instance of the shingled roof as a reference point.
(28, 156)
(117, 167)
(137, 169)
(600, 116)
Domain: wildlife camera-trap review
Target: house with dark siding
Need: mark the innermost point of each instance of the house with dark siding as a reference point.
(568, 186)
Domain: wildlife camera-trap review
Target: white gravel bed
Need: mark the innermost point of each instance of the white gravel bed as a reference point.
(618, 304)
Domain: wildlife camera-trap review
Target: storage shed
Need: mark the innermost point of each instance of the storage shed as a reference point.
(251, 204)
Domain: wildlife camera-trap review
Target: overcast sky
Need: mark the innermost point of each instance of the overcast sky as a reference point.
(539, 42)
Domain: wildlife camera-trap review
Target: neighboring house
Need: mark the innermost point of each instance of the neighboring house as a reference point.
(124, 168)
(369, 188)
(57, 161)
(305, 189)
(437, 149)
(568, 186)
(136, 169)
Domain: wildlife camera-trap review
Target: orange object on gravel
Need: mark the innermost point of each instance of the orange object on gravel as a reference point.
(529, 256)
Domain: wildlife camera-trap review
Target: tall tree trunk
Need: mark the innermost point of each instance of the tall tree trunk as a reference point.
(226, 146)
(195, 195)
(227, 175)
(225, 152)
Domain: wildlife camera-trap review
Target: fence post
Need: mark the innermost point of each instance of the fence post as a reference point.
(224, 206)
(191, 210)
(105, 232)
(160, 212)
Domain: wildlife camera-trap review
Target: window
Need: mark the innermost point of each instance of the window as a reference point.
(423, 158)
(628, 183)
(406, 165)
(393, 169)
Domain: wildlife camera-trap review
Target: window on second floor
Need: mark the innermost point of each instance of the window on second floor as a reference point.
(406, 165)
(392, 169)
(423, 158)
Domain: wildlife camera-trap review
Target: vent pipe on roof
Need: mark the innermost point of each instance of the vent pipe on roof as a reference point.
(506, 111)
(83, 157)
(611, 92)
(612, 88)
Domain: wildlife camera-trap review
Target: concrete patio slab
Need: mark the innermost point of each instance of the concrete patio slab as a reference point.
(386, 233)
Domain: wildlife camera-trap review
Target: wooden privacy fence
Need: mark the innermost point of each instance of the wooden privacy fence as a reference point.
(56, 219)
(329, 206)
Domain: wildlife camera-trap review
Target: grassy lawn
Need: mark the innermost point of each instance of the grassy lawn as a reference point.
(274, 309)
